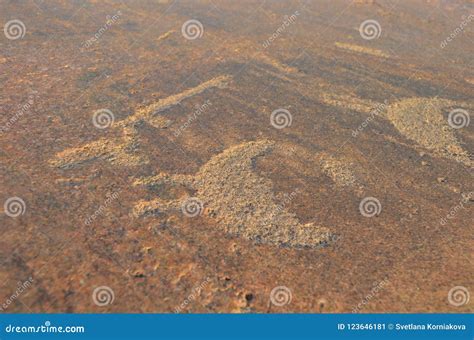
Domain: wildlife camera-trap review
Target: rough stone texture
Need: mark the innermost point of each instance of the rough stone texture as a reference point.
(422, 120)
(241, 201)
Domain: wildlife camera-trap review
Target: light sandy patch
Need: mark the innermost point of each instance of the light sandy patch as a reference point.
(469, 80)
(341, 170)
(240, 201)
(246, 51)
(422, 120)
(148, 113)
(347, 101)
(275, 63)
(124, 150)
(119, 151)
(337, 169)
(362, 49)
(112, 151)
(165, 35)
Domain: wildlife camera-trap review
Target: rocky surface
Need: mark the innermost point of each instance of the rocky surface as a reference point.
(335, 166)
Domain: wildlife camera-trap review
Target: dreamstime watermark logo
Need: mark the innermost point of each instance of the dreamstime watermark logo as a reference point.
(280, 296)
(103, 296)
(103, 118)
(14, 29)
(370, 207)
(196, 291)
(21, 287)
(192, 29)
(22, 110)
(458, 296)
(454, 210)
(192, 207)
(281, 118)
(14, 207)
(110, 198)
(110, 20)
(287, 198)
(192, 118)
(370, 29)
(46, 328)
(459, 118)
(375, 112)
(458, 30)
(287, 21)
(377, 287)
